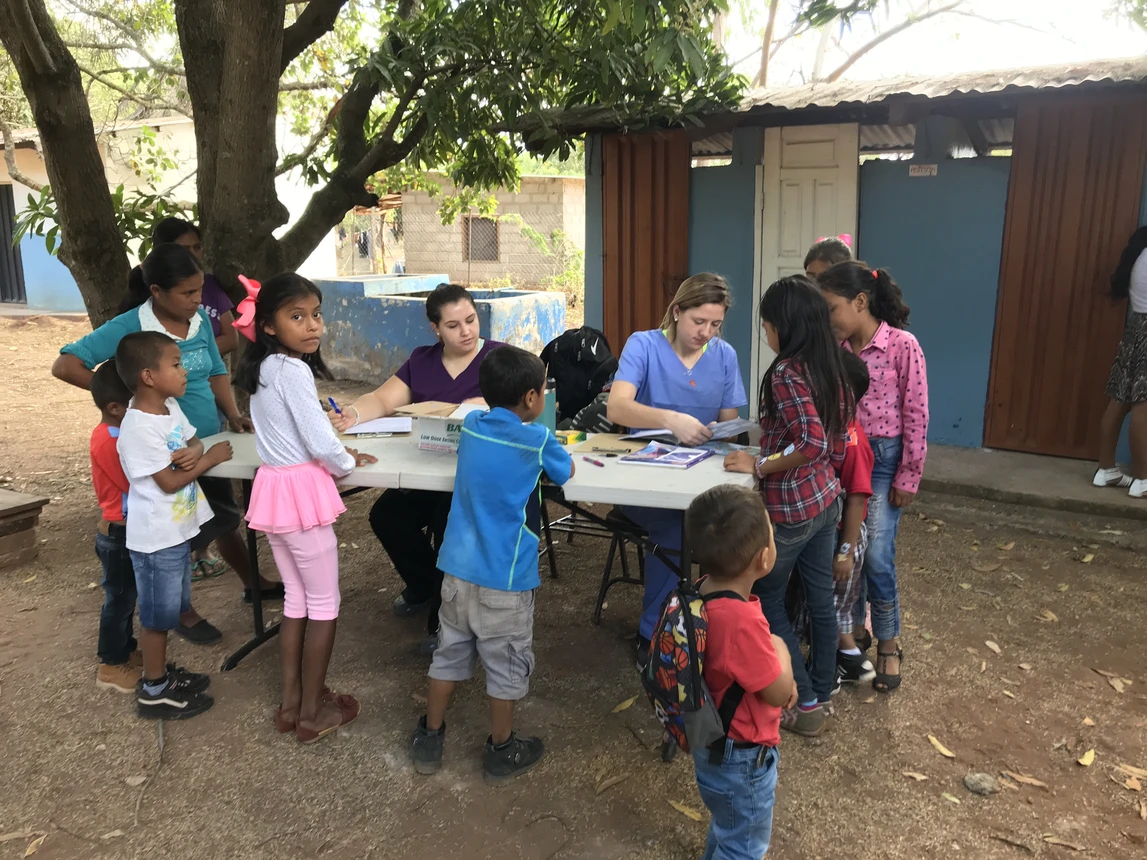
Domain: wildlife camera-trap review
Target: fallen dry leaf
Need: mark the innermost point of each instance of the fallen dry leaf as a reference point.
(17, 834)
(1087, 758)
(985, 568)
(135, 781)
(1048, 615)
(1104, 673)
(611, 782)
(983, 666)
(1027, 667)
(1009, 841)
(418, 698)
(1051, 839)
(1087, 721)
(1132, 771)
(1010, 545)
(972, 650)
(687, 811)
(1133, 784)
(966, 586)
(35, 844)
(993, 647)
(29, 579)
(1117, 684)
(911, 774)
(93, 585)
(940, 748)
(869, 700)
(950, 798)
(1024, 779)
(114, 834)
(1087, 559)
(1143, 809)
(1063, 586)
(968, 608)
(622, 706)
(1009, 694)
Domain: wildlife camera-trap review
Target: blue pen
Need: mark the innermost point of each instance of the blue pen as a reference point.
(334, 405)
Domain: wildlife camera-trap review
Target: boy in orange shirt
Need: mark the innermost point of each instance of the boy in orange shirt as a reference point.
(733, 538)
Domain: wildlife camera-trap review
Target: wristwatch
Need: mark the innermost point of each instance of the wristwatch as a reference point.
(844, 551)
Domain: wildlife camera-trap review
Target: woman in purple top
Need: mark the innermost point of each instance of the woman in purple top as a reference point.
(220, 308)
(446, 371)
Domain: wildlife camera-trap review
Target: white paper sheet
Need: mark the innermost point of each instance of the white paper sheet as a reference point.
(394, 424)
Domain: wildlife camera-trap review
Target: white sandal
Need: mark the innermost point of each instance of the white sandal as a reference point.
(1138, 489)
(1111, 478)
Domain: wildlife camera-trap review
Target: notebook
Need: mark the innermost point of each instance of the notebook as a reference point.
(669, 456)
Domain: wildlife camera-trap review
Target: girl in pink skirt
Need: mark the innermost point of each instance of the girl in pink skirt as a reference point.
(294, 500)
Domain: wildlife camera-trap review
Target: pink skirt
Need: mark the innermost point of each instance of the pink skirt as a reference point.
(293, 498)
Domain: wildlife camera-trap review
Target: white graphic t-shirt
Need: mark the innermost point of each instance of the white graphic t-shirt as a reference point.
(158, 520)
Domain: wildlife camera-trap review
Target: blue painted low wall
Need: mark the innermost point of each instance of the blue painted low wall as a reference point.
(942, 237)
(374, 323)
(48, 284)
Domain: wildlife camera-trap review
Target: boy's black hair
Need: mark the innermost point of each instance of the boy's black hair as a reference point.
(507, 374)
(727, 527)
(273, 294)
(443, 295)
(165, 267)
(857, 372)
(140, 351)
(799, 312)
(107, 387)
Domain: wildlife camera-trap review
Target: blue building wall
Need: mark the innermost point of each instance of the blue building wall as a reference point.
(594, 265)
(47, 282)
(941, 237)
(721, 238)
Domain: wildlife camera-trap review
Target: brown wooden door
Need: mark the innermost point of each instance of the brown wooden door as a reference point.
(645, 228)
(1073, 201)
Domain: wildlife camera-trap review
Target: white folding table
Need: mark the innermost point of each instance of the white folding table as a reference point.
(402, 465)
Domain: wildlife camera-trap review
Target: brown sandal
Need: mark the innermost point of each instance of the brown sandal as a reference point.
(284, 725)
(348, 711)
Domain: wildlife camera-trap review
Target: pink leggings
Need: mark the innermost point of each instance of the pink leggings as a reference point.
(308, 562)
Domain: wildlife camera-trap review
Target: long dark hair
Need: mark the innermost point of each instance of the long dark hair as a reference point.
(166, 266)
(273, 295)
(170, 229)
(799, 312)
(1121, 279)
(851, 278)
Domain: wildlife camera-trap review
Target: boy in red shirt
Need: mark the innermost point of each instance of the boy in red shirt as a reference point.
(733, 542)
(121, 664)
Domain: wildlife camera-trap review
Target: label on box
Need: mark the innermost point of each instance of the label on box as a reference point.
(439, 434)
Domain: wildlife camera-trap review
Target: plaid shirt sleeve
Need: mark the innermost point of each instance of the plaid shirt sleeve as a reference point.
(795, 407)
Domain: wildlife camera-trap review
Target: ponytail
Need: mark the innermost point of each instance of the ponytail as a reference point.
(885, 299)
(166, 266)
(1121, 278)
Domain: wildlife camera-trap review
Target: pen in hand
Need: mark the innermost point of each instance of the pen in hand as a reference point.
(334, 405)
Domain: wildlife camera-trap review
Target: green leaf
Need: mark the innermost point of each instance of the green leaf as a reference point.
(663, 55)
(50, 240)
(639, 16)
(612, 16)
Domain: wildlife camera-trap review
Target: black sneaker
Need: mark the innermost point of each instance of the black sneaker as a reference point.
(173, 702)
(514, 757)
(854, 668)
(272, 592)
(404, 608)
(426, 746)
(196, 682)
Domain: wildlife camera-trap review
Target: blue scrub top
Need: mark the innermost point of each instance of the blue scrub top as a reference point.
(649, 363)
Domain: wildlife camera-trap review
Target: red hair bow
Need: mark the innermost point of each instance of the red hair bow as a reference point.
(844, 237)
(245, 319)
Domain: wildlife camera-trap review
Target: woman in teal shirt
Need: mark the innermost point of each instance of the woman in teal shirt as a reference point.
(164, 295)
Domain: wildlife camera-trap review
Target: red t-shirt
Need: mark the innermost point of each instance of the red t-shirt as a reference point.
(739, 647)
(108, 478)
(856, 471)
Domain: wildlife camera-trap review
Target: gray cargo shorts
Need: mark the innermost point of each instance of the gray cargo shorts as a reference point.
(496, 627)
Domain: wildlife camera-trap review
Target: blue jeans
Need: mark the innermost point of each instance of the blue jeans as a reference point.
(116, 641)
(740, 797)
(664, 529)
(878, 585)
(808, 548)
(163, 584)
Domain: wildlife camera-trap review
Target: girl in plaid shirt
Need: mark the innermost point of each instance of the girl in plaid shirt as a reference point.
(806, 404)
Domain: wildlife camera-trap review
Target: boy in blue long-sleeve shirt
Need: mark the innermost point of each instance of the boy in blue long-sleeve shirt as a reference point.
(489, 561)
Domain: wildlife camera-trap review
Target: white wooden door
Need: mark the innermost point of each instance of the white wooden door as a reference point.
(807, 188)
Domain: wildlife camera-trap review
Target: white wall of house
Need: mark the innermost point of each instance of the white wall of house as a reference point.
(547, 204)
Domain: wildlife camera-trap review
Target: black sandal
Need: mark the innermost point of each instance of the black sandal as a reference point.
(883, 682)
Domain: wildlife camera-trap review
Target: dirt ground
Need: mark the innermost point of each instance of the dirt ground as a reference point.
(1062, 599)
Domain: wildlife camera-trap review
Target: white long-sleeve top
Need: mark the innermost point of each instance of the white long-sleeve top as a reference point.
(290, 425)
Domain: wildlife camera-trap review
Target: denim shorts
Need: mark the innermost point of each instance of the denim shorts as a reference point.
(163, 585)
(494, 626)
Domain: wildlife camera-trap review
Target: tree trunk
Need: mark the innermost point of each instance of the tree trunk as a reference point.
(92, 247)
(766, 44)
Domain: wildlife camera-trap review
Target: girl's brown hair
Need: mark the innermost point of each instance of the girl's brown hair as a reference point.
(701, 289)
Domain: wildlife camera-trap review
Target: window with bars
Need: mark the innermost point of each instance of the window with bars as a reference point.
(479, 239)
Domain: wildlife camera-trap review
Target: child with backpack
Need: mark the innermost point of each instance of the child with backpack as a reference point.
(747, 670)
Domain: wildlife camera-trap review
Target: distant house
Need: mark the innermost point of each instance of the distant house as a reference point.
(524, 242)
(999, 200)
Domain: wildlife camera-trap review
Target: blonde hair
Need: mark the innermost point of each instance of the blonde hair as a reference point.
(700, 289)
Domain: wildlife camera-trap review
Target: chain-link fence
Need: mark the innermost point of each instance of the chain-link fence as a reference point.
(370, 243)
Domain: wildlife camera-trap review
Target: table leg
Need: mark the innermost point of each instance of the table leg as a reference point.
(261, 633)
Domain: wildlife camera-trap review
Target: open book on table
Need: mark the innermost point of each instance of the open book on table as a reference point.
(670, 456)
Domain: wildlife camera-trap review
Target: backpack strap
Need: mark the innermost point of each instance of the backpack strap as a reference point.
(717, 595)
(733, 696)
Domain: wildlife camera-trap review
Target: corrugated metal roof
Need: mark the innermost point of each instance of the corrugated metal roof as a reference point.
(1129, 70)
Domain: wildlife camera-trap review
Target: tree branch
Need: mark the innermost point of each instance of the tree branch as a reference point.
(10, 159)
(149, 101)
(31, 39)
(886, 35)
(296, 158)
(763, 74)
(314, 22)
(137, 42)
(301, 86)
(101, 46)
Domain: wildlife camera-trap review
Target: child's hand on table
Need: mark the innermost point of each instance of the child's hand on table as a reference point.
(220, 452)
(740, 461)
(241, 424)
(361, 459)
(186, 458)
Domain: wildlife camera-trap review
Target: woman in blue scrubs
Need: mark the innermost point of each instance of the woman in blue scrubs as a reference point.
(681, 377)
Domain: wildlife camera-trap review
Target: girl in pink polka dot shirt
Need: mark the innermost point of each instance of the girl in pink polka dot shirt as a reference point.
(869, 316)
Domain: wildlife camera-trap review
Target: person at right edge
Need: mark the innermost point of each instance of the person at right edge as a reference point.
(489, 562)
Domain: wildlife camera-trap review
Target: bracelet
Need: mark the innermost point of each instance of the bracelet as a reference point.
(357, 417)
(757, 468)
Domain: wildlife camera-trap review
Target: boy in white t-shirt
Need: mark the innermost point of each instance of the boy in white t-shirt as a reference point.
(162, 458)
